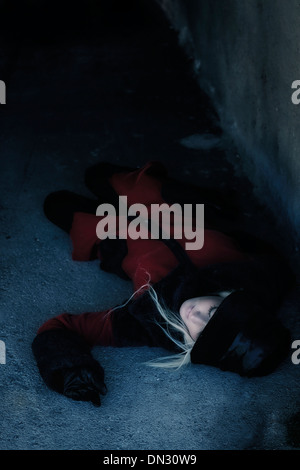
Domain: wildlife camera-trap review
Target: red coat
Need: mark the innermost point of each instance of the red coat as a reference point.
(146, 260)
(258, 277)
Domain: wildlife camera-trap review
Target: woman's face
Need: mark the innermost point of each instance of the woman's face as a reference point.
(197, 312)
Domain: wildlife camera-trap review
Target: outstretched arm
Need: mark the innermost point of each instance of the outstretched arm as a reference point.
(62, 349)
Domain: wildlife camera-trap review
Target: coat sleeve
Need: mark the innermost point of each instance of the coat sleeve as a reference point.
(65, 342)
(94, 328)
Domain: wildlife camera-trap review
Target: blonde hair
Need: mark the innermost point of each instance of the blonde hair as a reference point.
(172, 323)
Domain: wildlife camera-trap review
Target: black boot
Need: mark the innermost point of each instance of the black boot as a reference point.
(60, 206)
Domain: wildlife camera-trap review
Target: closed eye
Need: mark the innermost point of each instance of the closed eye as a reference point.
(214, 307)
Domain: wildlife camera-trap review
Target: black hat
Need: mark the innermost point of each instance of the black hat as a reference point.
(242, 337)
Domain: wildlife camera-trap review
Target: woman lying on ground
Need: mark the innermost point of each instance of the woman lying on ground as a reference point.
(215, 306)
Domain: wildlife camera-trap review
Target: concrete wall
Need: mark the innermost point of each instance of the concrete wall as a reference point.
(247, 55)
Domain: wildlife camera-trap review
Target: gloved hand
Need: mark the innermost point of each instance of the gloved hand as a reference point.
(67, 366)
(84, 384)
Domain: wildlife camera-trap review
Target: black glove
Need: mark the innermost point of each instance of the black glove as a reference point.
(84, 384)
(67, 366)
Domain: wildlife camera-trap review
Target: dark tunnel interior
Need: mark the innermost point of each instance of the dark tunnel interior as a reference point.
(116, 69)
